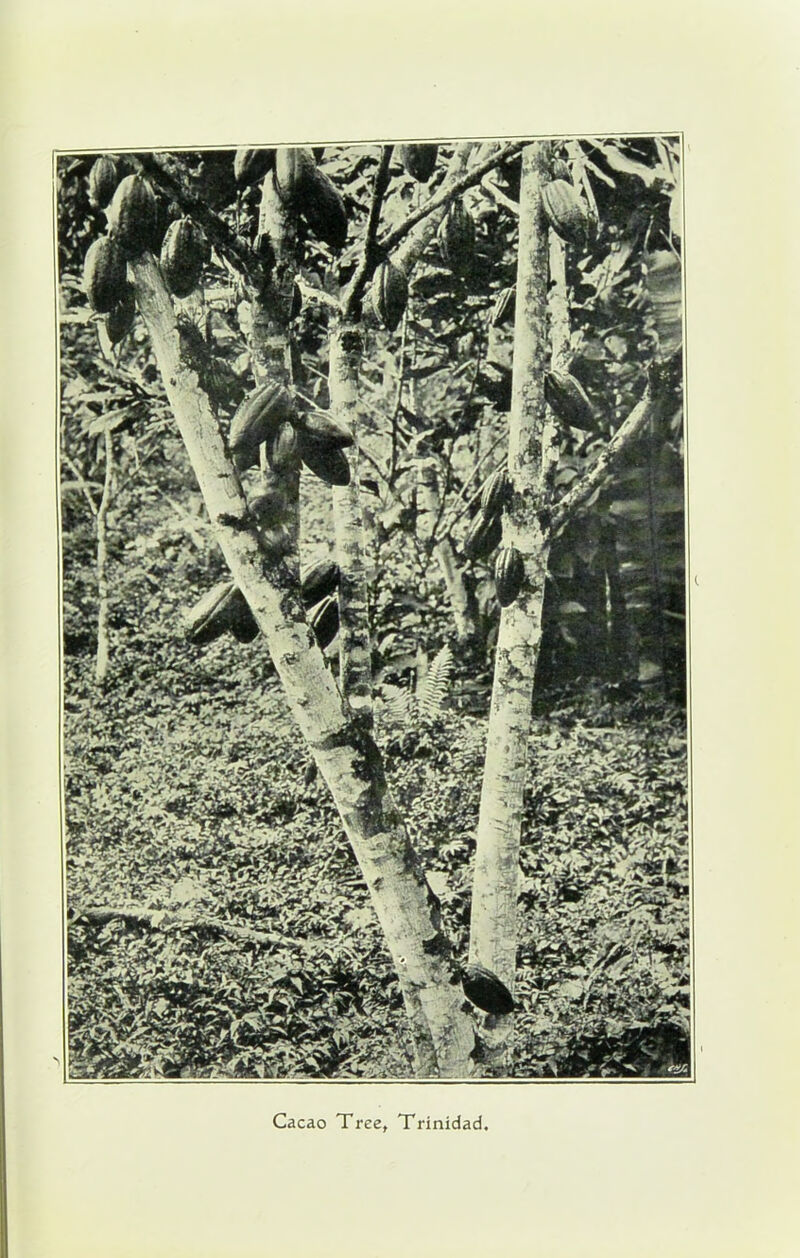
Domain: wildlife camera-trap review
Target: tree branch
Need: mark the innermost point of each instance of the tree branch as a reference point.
(158, 919)
(368, 259)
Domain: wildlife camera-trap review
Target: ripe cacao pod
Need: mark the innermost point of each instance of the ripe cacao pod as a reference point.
(319, 153)
(256, 420)
(486, 990)
(504, 307)
(133, 215)
(389, 294)
(210, 616)
(322, 206)
(565, 211)
(561, 170)
(457, 238)
(250, 165)
(105, 275)
(419, 160)
(509, 574)
(282, 447)
(182, 256)
(324, 459)
(241, 621)
(324, 620)
(568, 400)
(102, 182)
(495, 492)
(119, 319)
(320, 425)
(294, 174)
(318, 581)
(483, 536)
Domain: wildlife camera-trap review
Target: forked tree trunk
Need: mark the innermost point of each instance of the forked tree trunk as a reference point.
(532, 435)
(345, 754)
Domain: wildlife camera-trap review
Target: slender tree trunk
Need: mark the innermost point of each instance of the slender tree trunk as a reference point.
(101, 660)
(531, 435)
(429, 505)
(355, 663)
(345, 754)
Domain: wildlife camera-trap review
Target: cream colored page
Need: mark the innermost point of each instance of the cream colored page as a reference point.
(200, 1170)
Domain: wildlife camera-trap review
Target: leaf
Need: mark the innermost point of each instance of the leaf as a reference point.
(433, 692)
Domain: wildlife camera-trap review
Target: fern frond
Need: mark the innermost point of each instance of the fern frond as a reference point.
(433, 692)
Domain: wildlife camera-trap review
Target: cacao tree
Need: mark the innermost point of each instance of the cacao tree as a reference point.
(334, 265)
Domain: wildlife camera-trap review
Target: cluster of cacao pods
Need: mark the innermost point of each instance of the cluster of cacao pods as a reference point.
(566, 213)
(319, 584)
(309, 193)
(419, 160)
(485, 533)
(456, 237)
(268, 416)
(221, 610)
(485, 990)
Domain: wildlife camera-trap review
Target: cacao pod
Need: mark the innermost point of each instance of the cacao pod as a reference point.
(322, 206)
(119, 319)
(389, 294)
(495, 492)
(324, 459)
(210, 616)
(568, 400)
(105, 275)
(241, 621)
(561, 170)
(256, 420)
(282, 447)
(419, 160)
(486, 990)
(183, 253)
(133, 215)
(250, 165)
(294, 175)
(318, 581)
(102, 182)
(320, 425)
(324, 620)
(483, 536)
(509, 574)
(457, 238)
(565, 211)
(504, 307)
(319, 153)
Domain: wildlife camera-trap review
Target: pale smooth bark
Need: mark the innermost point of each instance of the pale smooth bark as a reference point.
(345, 754)
(428, 503)
(102, 657)
(493, 931)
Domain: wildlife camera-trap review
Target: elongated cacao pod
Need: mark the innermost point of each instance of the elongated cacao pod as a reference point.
(210, 616)
(249, 165)
(318, 581)
(495, 492)
(486, 990)
(504, 307)
(456, 238)
(325, 460)
(565, 211)
(256, 420)
(322, 206)
(241, 621)
(294, 175)
(133, 215)
(389, 294)
(483, 536)
(509, 575)
(419, 160)
(102, 182)
(104, 275)
(324, 620)
(568, 400)
(561, 170)
(282, 451)
(119, 319)
(320, 425)
(183, 252)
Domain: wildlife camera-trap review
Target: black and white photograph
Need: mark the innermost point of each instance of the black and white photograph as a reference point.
(373, 605)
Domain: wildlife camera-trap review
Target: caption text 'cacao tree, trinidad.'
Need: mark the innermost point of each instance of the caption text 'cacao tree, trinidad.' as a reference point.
(355, 249)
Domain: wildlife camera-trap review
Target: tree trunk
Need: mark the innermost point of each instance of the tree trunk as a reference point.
(101, 659)
(345, 754)
(532, 435)
(429, 508)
